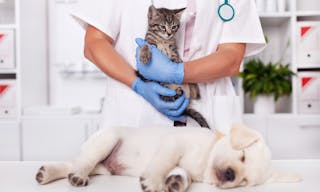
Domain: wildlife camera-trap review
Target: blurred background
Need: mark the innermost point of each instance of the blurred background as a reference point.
(50, 93)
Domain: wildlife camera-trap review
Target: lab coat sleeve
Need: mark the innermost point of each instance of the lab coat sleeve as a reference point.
(102, 14)
(244, 28)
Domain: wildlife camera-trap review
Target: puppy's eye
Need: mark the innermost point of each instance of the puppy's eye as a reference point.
(243, 159)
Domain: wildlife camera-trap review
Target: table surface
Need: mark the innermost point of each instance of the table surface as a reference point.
(19, 176)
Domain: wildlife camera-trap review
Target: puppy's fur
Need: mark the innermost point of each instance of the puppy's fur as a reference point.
(238, 159)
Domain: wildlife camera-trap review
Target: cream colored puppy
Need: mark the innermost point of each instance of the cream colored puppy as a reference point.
(238, 159)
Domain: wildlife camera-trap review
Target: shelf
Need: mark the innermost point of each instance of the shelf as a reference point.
(280, 115)
(308, 13)
(7, 26)
(308, 68)
(6, 71)
(274, 19)
(275, 15)
(83, 74)
(11, 76)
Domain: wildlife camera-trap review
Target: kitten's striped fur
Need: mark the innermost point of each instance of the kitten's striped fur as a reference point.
(163, 24)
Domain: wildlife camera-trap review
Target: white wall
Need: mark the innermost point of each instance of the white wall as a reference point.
(33, 21)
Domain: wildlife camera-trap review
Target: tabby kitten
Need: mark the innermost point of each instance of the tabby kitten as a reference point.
(163, 24)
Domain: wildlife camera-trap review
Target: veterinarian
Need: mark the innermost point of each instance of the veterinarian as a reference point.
(211, 44)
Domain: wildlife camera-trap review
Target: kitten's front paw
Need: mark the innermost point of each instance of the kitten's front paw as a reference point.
(77, 180)
(149, 185)
(145, 54)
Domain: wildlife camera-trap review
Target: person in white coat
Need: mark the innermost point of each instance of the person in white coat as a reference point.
(212, 50)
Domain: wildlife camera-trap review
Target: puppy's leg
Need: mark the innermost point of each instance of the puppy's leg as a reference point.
(100, 169)
(178, 180)
(53, 171)
(96, 149)
(167, 157)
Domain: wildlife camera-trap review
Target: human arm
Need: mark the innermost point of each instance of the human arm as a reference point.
(222, 63)
(225, 62)
(99, 50)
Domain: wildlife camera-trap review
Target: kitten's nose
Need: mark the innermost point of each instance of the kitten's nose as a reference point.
(229, 175)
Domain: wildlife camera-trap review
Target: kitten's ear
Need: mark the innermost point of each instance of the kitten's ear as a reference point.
(152, 12)
(178, 12)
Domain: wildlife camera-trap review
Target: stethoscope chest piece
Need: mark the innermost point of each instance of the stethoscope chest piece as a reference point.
(226, 11)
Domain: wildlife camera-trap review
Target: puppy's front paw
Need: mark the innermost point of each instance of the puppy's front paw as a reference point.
(46, 174)
(175, 183)
(42, 176)
(77, 180)
(149, 185)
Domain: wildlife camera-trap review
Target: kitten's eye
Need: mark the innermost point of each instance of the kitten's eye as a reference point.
(162, 27)
(174, 27)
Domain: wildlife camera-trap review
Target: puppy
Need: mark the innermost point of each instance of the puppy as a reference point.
(238, 159)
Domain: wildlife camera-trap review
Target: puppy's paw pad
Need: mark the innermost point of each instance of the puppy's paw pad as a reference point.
(42, 176)
(174, 183)
(78, 181)
(148, 186)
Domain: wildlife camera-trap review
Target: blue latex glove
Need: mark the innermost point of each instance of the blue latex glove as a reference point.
(151, 92)
(160, 68)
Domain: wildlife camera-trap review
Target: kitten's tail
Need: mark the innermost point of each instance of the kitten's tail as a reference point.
(197, 117)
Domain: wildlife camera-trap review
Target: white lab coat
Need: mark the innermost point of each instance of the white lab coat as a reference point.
(125, 20)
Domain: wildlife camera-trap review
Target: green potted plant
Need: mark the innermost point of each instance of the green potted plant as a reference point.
(266, 83)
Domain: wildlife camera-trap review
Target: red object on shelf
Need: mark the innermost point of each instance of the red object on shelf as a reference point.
(304, 30)
(305, 81)
(3, 88)
(1, 36)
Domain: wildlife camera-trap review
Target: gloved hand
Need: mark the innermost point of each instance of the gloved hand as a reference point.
(160, 68)
(151, 92)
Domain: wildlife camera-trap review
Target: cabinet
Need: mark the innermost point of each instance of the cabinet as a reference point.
(9, 141)
(294, 138)
(281, 28)
(9, 60)
(289, 136)
(289, 133)
(55, 138)
(74, 81)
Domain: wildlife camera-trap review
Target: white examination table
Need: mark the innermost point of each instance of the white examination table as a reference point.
(20, 177)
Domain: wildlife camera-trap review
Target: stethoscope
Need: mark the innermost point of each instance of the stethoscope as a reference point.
(225, 11)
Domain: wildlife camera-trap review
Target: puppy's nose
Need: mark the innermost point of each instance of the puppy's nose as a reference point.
(229, 175)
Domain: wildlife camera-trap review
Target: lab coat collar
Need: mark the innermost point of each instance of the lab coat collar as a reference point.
(170, 4)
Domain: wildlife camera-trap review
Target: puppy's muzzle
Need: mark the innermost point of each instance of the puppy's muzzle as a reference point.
(227, 175)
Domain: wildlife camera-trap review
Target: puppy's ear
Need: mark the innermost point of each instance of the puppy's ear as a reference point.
(284, 178)
(242, 137)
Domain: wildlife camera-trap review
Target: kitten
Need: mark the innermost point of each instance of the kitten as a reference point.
(163, 24)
